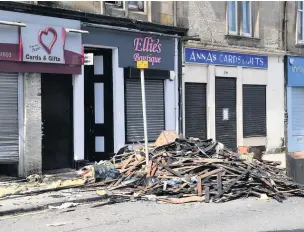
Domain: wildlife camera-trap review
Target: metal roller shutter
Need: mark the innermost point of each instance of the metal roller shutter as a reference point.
(225, 111)
(155, 109)
(297, 119)
(254, 110)
(9, 133)
(195, 110)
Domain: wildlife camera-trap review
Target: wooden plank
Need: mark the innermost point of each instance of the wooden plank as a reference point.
(219, 182)
(207, 193)
(232, 183)
(199, 186)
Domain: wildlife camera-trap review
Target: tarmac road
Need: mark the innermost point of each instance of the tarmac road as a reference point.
(240, 215)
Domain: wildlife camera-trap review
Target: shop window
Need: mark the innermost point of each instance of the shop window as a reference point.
(240, 18)
(137, 5)
(300, 22)
(254, 110)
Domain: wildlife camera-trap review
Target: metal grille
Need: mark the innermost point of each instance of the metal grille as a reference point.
(225, 111)
(254, 110)
(9, 136)
(195, 110)
(155, 109)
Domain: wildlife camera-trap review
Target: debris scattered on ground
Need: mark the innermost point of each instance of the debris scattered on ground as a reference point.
(64, 205)
(180, 170)
(189, 170)
(59, 224)
(34, 178)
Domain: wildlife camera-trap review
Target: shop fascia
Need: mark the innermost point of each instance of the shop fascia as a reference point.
(42, 44)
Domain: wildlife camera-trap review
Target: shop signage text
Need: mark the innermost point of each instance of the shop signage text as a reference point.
(147, 45)
(48, 44)
(200, 56)
(45, 47)
(295, 70)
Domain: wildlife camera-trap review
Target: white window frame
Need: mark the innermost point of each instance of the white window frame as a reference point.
(300, 41)
(236, 19)
(250, 20)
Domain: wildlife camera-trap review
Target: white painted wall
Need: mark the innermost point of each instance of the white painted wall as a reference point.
(273, 78)
(78, 113)
(118, 103)
(170, 107)
(275, 102)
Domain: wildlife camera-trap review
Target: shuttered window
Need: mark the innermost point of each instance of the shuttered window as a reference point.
(155, 109)
(297, 110)
(254, 110)
(9, 132)
(195, 110)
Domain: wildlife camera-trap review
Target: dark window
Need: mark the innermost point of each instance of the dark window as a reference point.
(133, 109)
(254, 110)
(115, 3)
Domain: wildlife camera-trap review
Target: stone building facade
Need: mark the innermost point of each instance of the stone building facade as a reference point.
(254, 115)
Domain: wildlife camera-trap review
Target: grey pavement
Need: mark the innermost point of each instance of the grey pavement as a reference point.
(19, 204)
(238, 216)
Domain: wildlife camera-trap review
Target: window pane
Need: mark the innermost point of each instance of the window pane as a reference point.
(300, 25)
(232, 16)
(137, 4)
(133, 3)
(300, 5)
(246, 17)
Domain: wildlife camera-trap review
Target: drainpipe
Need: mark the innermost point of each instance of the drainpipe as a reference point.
(180, 84)
(285, 26)
(285, 80)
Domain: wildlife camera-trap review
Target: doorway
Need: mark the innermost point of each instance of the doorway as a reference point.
(99, 141)
(225, 111)
(57, 121)
(196, 110)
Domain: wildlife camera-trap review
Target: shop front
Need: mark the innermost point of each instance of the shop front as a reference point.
(234, 97)
(113, 106)
(40, 58)
(295, 103)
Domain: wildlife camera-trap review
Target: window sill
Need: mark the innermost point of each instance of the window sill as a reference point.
(299, 44)
(136, 11)
(242, 37)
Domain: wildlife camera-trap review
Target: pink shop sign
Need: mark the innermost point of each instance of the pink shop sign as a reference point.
(147, 49)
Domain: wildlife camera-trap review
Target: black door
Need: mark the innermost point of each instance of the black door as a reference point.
(195, 110)
(57, 118)
(99, 106)
(225, 111)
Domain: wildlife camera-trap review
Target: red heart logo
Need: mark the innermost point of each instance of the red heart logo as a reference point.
(46, 32)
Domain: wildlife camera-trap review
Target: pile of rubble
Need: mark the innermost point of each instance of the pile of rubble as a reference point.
(189, 170)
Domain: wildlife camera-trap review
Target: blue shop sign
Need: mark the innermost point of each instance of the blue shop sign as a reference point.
(200, 56)
(295, 71)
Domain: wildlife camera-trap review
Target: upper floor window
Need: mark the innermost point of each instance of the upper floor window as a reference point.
(114, 3)
(232, 17)
(245, 19)
(246, 7)
(137, 5)
(300, 22)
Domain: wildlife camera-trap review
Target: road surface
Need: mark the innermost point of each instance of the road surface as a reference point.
(240, 215)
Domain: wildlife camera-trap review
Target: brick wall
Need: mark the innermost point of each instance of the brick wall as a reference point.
(32, 121)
